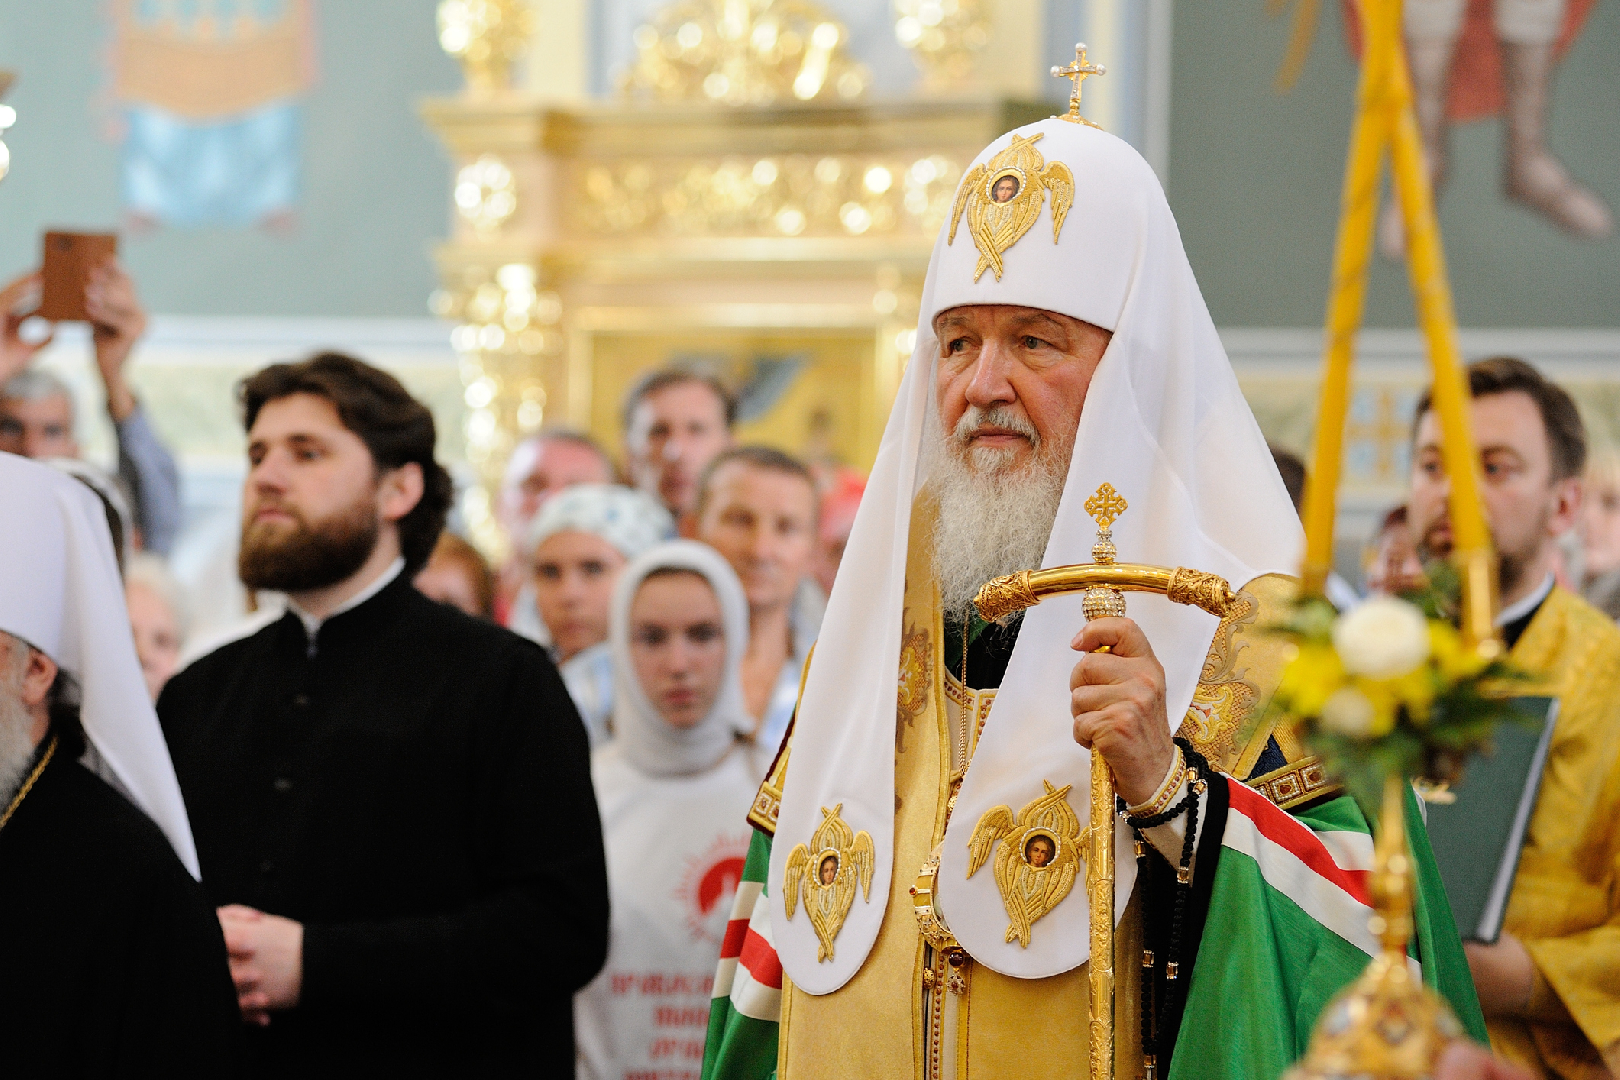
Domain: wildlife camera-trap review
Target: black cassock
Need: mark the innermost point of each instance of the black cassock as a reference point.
(414, 787)
(111, 959)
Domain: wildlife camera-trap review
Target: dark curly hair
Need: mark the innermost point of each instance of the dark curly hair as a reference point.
(395, 427)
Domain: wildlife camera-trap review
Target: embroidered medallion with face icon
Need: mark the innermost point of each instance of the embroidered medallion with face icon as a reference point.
(1003, 198)
(1038, 855)
(826, 872)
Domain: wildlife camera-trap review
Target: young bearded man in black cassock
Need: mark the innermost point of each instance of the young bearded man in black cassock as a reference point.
(392, 800)
(111, 960)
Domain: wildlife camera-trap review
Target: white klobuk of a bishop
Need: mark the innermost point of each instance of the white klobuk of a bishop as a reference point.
(1165, 424)
(60, 591)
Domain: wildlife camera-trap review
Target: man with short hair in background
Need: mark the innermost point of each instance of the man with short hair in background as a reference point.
(1550, 986)
(757, 507)
(540, 466)
(37, 409)
(676, 421)
(392, 800)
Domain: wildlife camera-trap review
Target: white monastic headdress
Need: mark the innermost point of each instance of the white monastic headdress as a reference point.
(641, 734)
(60, 592)
(1164, 423)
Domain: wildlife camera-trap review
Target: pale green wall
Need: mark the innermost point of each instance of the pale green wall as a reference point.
(1255, 180)
(375, 180)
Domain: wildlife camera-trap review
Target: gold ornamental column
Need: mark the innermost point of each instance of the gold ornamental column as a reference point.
(506, 321)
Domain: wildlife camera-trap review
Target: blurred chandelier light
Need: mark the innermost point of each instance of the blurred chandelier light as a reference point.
(743, 52)
(486, 36)
(944, 36)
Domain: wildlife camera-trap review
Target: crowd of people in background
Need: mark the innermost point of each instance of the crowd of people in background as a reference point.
(373, 905)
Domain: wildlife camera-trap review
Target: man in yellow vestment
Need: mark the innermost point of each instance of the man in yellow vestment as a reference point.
(913, 903)
(1550, 987)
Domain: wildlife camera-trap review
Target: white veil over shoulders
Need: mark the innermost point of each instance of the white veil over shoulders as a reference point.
(1165, 423)
(60, 592)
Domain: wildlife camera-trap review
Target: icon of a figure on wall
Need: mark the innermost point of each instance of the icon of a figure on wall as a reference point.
(1005, 189)
(210, 94)
(1038, 850)
(828, 870)
(1472, 59)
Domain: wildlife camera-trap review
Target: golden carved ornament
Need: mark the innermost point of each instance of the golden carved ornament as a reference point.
(744, 52)
(849, 855)
(486, 37)
(1003, 198)
(777, 196)
(943, 37)
(1197, 588)
(1039, 849)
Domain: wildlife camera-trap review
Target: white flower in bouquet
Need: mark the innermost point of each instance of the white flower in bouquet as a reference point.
(1348, 712)
(1382, 639)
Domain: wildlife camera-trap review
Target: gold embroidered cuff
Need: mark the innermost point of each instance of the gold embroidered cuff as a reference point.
(1168, 787)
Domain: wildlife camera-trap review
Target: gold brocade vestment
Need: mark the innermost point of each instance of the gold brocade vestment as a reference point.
(1565, 905)
(896, 1018)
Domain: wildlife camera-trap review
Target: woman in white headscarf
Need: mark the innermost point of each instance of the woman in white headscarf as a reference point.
(577, 547)
(673, 787)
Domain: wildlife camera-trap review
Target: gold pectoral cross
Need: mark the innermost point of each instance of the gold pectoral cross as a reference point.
(1077, 73)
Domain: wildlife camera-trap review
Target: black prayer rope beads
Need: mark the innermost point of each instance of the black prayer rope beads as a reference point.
(1189, 805)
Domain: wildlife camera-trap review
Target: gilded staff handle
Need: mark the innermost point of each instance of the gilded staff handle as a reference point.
(1003, 596)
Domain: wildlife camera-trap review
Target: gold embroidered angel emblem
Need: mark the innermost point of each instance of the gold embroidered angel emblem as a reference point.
(826, 873)
(1035, 868)
(1003, 199)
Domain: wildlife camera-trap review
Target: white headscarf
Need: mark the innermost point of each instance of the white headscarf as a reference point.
(1165, 424)
(60, 592)
(628, 519)
(640, 732)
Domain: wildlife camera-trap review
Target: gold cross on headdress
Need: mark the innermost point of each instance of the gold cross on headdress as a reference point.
(1077, 73)
(1106, 506)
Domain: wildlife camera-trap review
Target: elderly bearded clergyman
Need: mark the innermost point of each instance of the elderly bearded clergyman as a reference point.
(1063, 344)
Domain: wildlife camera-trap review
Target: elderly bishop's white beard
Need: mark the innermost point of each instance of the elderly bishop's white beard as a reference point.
(16, 727)
(994, 517)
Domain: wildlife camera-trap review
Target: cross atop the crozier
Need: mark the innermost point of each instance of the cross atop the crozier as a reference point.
(1106, 506)
(1077, 73)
